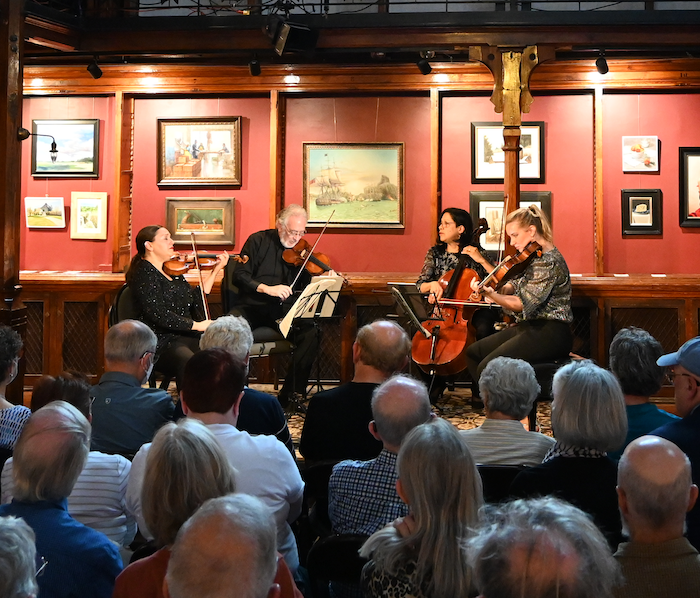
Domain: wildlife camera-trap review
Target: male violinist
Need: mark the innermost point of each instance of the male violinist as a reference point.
(266, 294)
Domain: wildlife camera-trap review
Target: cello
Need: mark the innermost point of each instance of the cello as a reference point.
(440, 346)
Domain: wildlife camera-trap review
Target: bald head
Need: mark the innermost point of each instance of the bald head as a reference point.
(654, 485)
(382, 345)
(399, 405)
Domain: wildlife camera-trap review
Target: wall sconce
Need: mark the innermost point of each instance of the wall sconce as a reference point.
(601, 64)
(23, 134)
(423, 64)
(94, 69)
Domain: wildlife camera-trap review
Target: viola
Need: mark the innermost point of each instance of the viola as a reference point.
(316, 264)
(510, 267)
(180, 263)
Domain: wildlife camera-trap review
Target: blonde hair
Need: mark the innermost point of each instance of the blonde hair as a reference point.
(443, 488)
(185, 467)
(532, 216)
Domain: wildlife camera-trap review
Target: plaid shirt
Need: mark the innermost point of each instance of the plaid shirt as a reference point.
(362, 495)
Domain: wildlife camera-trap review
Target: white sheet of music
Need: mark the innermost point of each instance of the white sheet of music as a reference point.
(306, 306)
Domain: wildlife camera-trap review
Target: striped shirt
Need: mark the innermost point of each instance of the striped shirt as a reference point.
(98, 499)
(12, 421)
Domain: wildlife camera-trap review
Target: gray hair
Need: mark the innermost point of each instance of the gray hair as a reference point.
(50, 453)
(398, 405)
(185, 467)
(232, 333)
(229, 542)
(17, 559)
(128, 340)
(292, 209)
(443, 488)
(633, 355)
(509, 386)
(541, 547)
(588, 409)
(384, 345)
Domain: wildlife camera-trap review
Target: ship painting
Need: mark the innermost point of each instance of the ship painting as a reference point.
(330, 183)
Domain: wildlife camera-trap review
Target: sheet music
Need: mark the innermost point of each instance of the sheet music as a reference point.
(307, 305)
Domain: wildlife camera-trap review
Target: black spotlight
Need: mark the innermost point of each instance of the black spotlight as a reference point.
(601, 64)
(94, 69)
(293, 37)
(424, 66)
(254, 68)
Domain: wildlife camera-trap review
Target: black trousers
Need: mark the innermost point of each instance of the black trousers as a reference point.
(175, 354)
(538, 341)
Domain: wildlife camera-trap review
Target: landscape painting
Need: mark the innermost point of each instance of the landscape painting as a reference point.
(44, 212)
(77, 145)
(360, 183)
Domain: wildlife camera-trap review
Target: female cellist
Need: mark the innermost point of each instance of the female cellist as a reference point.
(539, 298)
(168, 304)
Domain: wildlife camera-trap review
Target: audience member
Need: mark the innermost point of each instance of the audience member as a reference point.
(12, 417)
(509, 389)
(424, 555)
(125, 415)
(684, 433)
(633, 355)
(49, 456)
(541, 548)
(227, 544)
(588, 419)
(362, 495)
(655, 491)
(260, 413)
(212, 388)
(335, 426)
(17, 559)
(98, 499)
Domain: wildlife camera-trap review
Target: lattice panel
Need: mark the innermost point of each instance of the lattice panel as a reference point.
(80, 336)
(581, 329)
(34, 339)
(366, 314)
(660, 322)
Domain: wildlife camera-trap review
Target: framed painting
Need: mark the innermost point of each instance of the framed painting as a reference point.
(44, 212)
(361, 184)
(640, 153)
(199, 151)
(642, 212)
(488, 157)
(77, 142)
(689, 186)
(489, 205)
(210, 219)
(88, 215)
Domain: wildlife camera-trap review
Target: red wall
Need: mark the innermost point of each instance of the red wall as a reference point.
(54, 249)
(568, 165)
(368, 119)
(671, 117)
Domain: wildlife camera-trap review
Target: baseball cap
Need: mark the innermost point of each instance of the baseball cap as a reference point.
(688, 356)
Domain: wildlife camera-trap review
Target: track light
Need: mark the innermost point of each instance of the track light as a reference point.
(94, 69)
(254, 68)
(423, 64)
(601, 64)
(23, 134)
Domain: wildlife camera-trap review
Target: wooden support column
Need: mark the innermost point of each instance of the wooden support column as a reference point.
(277, 126)
(435, 195)
(598, 181)
(124, 176)
(12, 311)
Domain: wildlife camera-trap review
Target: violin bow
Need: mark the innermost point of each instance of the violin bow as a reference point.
(306, 260)
(201, 280)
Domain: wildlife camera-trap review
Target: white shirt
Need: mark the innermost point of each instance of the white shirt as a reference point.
(98, 499)
(264, 468)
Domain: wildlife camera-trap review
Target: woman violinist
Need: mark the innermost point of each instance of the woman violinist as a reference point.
(539, 298)
(455, 239)
(168, 304)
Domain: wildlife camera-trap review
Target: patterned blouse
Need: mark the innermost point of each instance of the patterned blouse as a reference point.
(377, 583)
(12, 421)
(545, 289)
(438, 261)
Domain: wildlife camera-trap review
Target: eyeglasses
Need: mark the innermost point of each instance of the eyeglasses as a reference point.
(670, 376)
(147, 353)
(41, 563)
(294, 233)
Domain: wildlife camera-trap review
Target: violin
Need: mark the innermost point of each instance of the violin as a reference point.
(180, 263)
(316, 264)
(510, 267)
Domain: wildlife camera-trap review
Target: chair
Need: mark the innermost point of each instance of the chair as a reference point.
(266, 341)
(334, 559)
(497, 479)
(316, 480)
(544, 372)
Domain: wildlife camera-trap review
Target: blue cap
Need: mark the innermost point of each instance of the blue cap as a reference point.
(688, 356)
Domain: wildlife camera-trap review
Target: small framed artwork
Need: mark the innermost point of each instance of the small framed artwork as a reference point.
(45, 212)
(640, 153)
(361, 184)
(88, 215)
(488, 157)
(689, 186)
(642, 212)
(77, 142)
(489, 205)
(210, 219)
(200, 152)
